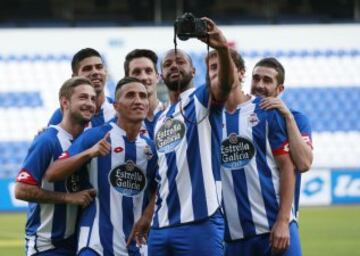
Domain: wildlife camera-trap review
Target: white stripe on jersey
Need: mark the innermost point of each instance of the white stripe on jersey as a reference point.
(204, 132)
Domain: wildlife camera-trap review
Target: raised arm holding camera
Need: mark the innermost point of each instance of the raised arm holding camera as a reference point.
(187, 220)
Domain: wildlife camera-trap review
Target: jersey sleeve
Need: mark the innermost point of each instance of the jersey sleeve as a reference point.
(36, 162)
(85, 141)
(278, 137)
(56, 117)
(202, 94)
(304, 126)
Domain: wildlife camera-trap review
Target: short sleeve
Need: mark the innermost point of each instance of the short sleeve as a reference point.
(87, 139)
(37, 161)
(277, 133)
(56, 117)
(304, 126)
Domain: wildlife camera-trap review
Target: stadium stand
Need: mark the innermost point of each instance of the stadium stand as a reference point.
(322, 83)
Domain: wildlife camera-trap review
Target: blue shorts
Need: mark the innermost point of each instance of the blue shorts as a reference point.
(197, 238)
(259, 245)
(90, 252)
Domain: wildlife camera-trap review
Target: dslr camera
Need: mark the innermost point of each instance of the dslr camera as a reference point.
(187, 25)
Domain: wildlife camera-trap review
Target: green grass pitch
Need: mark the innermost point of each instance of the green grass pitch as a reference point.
(324, 231)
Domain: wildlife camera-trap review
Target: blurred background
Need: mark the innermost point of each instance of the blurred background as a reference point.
(318, 42)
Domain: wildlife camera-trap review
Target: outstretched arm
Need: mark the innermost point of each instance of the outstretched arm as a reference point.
(33, 193)
(300, 149)
(66, 166)
(218, 41)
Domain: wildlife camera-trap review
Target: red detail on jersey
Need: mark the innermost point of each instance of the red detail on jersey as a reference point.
(143, 131)
(118, 149)
(283, 149)
(64, 155)
(25, 177)
(307, 139)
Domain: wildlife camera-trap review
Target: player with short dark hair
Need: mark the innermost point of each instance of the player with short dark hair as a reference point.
(88, 63)
(141, 63)
(268, 81)
(121, 164)
(187, 220)
(257, 174)
(53, 206)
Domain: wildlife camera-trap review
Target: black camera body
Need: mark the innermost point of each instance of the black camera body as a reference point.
(187, 26)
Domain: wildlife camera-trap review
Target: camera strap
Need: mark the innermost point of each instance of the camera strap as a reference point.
(207, 81)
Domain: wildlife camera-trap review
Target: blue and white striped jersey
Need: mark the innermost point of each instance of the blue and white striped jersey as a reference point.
(122, 180)
(250, 176)
(149, 125)
(106, 113)
(187, 138)
(49, 226)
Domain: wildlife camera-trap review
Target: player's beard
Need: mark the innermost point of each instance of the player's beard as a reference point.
(180, 84)
(78, 118)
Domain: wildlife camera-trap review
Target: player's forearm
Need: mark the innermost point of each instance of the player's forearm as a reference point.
(63, 168)
(300, 151)
(149, 210)
(287, 187)
(33, 193)
(226, 74)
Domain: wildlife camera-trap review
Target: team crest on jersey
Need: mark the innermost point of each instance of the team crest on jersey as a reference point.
(75, 182)
(253, 119)
(169, 135)
(236, 151)
(128, 179)
(148, 152)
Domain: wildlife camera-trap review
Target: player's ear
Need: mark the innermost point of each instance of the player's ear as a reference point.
(64, 102)
(280, 88)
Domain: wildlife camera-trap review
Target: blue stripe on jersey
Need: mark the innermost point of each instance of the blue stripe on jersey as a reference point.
(105, 226)
(60, 209)
(240, 190)
(259, 138)
(158, 202)
(216, 125)
(33, 218)
(127, 202)
(196, 172)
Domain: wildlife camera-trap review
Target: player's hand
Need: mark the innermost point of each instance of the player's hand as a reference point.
(217, 39)
(280, 236)
(82, 198)
(140, 231)
(272, 102)
(102, 148)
